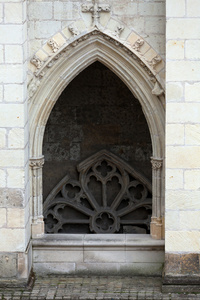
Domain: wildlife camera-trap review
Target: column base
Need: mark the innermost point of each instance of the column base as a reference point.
(157, 228)
(37, 228)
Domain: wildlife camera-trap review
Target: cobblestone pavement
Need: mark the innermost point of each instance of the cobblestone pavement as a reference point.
(110, 288)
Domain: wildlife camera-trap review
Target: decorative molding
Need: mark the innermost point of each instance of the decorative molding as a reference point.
(156, 163)
(36, 61)
(73, 29)
(95, 8)
(53, 45)
(36, 163)
(138, 44)
(157, 89)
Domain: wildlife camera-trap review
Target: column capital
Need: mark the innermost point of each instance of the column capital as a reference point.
(156, 163)
(36, 162)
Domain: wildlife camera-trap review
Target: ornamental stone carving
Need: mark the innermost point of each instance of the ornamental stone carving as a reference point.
(138, 44)
(155, 61)
(36, 163)
(36, 62)
(108, 197)
(118, 31)
(157, 89)
(73, 29)
(156, 163)
(53, 45)
(95, 8)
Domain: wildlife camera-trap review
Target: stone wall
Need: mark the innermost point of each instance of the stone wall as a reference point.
(147, 19)
(96, 111)
(14, 187)
(182, 138)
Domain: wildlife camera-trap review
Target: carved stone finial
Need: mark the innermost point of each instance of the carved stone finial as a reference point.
(95, 8)
(36, 61)
(36, 163)
(53, 45)
(156, 163)
(157, 90)
(73, 29)
(138, 44)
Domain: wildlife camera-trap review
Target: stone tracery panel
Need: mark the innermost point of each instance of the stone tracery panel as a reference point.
(109, 197)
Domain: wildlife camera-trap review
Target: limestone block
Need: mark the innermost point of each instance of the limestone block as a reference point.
(182, 241)
(12, 158)
(72, 255)
(42, 55)
(16, 138)
(11, 197)
(2, 138)
(186, 113)
(154, 9)
(1, 54)
(12, 240)
(112, 27)
(192, 49)
(104, 269)
(175, 8)
(182, 199)
(1, 93)
(66, 10)
(34, 45)
(144, 256)
(172, 220)
(174, 179)
(154, 25)
(104, 256)
(16, 178)
(189, 220)
(40, 10)
(175, 49)
(174, 92)
(183, 28)
(12, 73)
(12, 34)
(46, 28)
(54, 268)
(157, 42)
(15, 217)
(3, 218)
(8, 263)
(192, 179)
(175, 134)
(13, 12)
(2, 178)
(59, 38)
(14, 93)
(192, 92)
(137, 269)
(183, 70)
(1, 13)
(12, 115)
(182, 157)
(193, 9)
(13, 54)
(126, 8)
(192, 134)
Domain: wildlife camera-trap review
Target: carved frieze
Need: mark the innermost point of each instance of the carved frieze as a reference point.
(53, 45)
(108, 196)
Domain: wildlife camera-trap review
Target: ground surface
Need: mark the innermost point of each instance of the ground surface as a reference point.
(110, 288)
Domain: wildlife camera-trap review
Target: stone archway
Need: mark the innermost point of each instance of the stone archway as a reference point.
(139, 78)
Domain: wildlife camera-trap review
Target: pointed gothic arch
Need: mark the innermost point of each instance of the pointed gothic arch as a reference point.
(59, 72)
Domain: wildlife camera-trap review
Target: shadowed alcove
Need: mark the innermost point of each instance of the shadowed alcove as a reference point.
(96, 112)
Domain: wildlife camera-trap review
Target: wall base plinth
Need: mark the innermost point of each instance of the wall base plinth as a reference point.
(156, 228)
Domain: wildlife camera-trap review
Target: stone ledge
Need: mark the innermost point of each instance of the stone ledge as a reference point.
(181, 284)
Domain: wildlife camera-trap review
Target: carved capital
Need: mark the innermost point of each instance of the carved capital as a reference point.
(53, 45)
(36, 61)
(36, 163)
(156, 163)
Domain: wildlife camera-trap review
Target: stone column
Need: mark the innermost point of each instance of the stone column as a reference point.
(36, 165)
(156, 219)
(182, 198)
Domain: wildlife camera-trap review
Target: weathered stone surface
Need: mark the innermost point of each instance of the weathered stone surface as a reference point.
(8, 265)
(11, 197)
